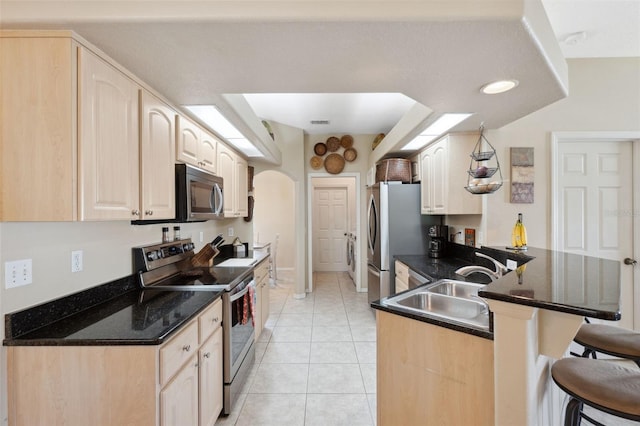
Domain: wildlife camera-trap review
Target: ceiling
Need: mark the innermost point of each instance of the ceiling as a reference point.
(308, 53)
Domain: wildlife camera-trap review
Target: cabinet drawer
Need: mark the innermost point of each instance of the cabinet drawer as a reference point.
(261, 271)
(210, 320)
(402, 272)
(177, 351)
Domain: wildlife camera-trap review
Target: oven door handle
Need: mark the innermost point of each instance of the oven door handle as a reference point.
(241, 293)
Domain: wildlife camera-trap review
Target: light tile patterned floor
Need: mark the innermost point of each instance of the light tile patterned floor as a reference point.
(315, 359)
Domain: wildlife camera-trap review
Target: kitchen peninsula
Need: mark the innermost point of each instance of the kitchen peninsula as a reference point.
(501, 377)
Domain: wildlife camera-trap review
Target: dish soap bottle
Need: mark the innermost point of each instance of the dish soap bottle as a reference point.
(519, 235)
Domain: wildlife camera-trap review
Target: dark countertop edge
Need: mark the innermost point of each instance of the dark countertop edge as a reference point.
(575, 310)
(158, 340)
(441, 323)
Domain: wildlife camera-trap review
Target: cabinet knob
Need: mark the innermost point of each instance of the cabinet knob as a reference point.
(207, 354)
(149, 212)
(135, 212)
(186, 348)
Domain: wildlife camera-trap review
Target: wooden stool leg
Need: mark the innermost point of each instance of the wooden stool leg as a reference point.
(572, 413)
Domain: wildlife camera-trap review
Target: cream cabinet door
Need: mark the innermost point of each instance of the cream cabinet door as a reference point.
(157, 147)
(439, 177)
(426, 187)
(227, 169)
(108, 145)
(211, 380)
(444, 166)
(207, 154)
(187, 140)
(264, 309)
(242, 187)
(179, 399)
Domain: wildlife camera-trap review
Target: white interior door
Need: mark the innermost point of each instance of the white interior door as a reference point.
(594, 201)
(330, 226)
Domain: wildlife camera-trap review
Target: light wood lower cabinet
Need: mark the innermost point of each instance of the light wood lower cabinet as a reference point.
(176, 383)
(430, 375)
(402, 277)
(261, 277)
(210, 394)
(179, 399)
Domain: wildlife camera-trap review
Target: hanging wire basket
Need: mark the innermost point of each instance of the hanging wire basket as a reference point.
(479, 180)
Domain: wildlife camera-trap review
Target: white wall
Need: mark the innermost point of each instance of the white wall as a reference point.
(290, 141)
(274, 214)
(604, 95)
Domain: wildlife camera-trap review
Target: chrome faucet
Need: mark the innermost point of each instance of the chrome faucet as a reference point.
(500, 268)
(494, 275)
(468, 270)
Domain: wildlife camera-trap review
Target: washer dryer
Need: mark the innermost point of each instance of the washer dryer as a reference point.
(351, 256)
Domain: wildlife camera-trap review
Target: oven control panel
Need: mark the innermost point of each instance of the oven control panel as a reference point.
(147, 258)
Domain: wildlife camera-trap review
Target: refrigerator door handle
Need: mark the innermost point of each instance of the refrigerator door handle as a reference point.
(372, 224)
(374, 271)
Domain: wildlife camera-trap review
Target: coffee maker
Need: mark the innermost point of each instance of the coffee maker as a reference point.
(438, 235)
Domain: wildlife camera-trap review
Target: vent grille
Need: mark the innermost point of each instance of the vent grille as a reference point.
(322, 122)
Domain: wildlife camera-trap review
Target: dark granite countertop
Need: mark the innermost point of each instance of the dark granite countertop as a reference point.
(115, 313)
(138, 317)
(558, 281)
(570, 283)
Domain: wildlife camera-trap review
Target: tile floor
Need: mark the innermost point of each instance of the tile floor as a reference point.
(315, 359)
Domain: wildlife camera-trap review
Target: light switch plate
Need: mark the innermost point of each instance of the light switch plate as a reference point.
(511, 264)
(18, 273)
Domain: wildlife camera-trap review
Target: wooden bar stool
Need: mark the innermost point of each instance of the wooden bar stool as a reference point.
(609, 340)
(603, 385)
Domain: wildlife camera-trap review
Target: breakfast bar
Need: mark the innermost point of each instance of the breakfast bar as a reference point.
(536, 311)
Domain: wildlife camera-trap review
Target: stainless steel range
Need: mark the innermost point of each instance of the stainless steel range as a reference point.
(167, 266)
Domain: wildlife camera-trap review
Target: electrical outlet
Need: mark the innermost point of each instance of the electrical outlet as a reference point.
(76, 261)
(201, 236)
(230, 231)
(17, 273)
(511, 264)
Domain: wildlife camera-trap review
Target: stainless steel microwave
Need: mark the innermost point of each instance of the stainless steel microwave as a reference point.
(199, 195)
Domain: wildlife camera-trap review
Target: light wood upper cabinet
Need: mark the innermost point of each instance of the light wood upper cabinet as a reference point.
(38, 145)
(242, 193)
(444, 166)
(108, 173)
(195, 146)
(78, 142)
(235, 172)
(227, 169)
(208, 151)
(157, 147)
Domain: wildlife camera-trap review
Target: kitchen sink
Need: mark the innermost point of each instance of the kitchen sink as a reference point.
(455, 288)
(448, 300)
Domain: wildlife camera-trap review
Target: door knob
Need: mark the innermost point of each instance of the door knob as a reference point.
(629, 261)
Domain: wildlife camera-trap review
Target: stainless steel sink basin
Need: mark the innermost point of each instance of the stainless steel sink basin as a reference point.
(455, 288)
(448, 300)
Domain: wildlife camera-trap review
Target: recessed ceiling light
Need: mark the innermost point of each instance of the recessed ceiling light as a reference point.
(499, 86)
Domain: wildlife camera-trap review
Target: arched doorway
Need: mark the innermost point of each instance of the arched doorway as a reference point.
(274, 217)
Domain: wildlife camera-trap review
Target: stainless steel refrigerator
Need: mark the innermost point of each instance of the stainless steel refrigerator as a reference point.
(394, 226)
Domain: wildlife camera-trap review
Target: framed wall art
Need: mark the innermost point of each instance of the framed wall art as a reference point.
(522, 175)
